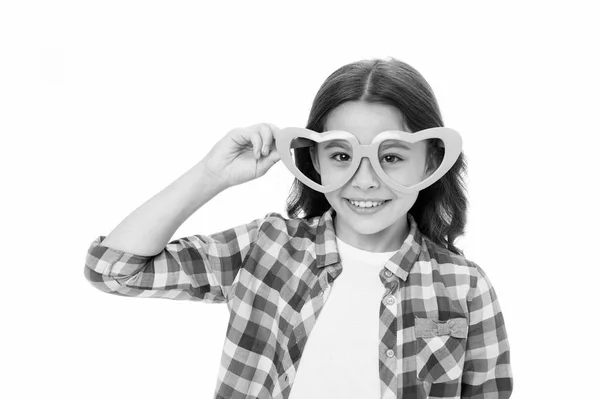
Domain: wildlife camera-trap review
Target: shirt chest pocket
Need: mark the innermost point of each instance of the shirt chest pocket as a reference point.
(441, 347)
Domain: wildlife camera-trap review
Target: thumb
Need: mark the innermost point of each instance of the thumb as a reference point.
(265, 163)
(274, 155)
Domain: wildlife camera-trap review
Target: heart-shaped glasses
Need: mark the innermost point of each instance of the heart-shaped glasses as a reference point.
(391, 173)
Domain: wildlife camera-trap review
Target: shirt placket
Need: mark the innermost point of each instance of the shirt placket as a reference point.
(388, 346)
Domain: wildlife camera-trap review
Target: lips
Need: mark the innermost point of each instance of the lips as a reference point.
(377, 201)
(380, 202)
(366, 210)
(367, 200)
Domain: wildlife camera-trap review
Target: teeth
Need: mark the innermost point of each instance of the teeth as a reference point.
(367, 204)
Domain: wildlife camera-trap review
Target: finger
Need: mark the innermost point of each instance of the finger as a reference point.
(266, 137)
(274, 130)
(274, 155)
(256, 140)
(267, 162)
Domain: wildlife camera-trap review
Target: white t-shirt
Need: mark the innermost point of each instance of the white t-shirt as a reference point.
(346, 365)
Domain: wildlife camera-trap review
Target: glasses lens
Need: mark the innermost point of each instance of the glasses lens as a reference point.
(406, 163)
(334, 159)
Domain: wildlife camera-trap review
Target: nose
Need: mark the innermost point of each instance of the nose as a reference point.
(365, 177)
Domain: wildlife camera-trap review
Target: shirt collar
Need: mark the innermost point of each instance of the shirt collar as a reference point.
(400, 264)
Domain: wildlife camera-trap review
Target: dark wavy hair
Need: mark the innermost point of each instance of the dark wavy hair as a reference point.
(440, 209)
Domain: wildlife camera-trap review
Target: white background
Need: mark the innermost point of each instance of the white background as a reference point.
(104, 103)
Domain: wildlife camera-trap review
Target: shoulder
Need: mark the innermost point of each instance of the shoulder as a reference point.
(454, 268)
(275, 224)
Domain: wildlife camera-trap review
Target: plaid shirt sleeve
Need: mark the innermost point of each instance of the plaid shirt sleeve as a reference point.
(197, 268)
(487, 373)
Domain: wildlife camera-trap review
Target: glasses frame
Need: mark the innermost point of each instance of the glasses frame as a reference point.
(290, 138)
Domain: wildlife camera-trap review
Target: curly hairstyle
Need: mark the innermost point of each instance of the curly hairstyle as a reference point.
(440, 209)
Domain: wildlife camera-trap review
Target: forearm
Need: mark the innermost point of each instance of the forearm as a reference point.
(148, 229)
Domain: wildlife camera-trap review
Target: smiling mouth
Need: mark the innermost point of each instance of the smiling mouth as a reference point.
(366, 207)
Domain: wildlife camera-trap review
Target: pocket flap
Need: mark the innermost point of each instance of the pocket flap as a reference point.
(427, 328)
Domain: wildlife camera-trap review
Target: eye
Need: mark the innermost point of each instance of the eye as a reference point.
(339, 153)
(392, 156)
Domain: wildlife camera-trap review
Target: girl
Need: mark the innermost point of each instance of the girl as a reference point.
(336, 300)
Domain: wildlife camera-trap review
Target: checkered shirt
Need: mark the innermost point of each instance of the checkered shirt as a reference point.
(442, 337)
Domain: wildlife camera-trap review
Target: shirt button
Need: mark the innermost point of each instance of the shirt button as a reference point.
(390, 300)
(388, 273)
(390, 353)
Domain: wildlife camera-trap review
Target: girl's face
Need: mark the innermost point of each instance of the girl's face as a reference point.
(386, 229)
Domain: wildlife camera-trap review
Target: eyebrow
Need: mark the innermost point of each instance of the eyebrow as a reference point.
(386, 146)
(339, 143)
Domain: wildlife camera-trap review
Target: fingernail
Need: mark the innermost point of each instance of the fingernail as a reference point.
(265, 150)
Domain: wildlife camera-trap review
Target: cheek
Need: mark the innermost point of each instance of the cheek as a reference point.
(416, 174)
(334, 197)
(330, 173)
(403, 200)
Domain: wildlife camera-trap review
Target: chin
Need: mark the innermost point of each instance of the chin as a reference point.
(373, 230)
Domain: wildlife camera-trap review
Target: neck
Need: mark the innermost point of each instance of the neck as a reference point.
(387, 240)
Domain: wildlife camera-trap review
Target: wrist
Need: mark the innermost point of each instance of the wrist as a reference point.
(211, 178)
